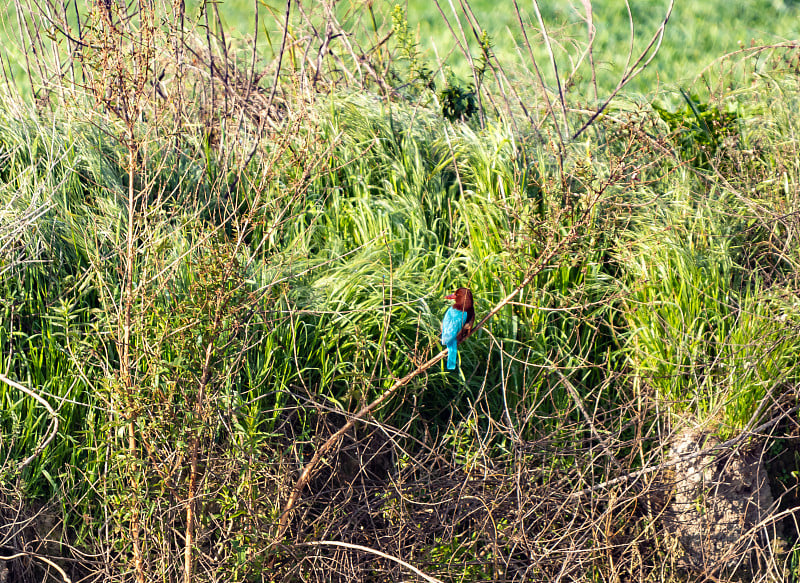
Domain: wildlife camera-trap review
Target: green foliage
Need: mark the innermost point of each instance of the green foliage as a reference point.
(458, 104)
(419, 76)
(700, 129)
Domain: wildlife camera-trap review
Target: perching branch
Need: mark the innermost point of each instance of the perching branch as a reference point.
(309, 468)
(306, 474)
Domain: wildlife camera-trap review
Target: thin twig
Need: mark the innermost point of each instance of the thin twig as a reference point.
(374, 552)
(633, 71)
(42, 558)
(50, 410)
(542, 84)
(579, 403)
(554, 65)
(280, 57)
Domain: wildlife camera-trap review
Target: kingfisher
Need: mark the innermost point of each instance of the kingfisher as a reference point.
(457, 323)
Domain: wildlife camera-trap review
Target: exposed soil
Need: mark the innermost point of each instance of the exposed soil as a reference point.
(723, 513)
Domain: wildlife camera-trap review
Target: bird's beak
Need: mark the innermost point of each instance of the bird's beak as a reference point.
(450, 297)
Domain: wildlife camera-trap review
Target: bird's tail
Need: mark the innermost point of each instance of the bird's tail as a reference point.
(452, 356)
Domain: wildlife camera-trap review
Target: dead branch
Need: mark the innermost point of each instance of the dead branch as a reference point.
(50, 411)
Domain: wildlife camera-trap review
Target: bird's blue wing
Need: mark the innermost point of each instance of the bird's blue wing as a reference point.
(451, 325)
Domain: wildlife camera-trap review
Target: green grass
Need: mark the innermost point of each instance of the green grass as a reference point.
(296, 286)
(700, 327)
(696, 36)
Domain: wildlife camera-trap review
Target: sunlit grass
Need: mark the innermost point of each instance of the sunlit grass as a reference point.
(318, 277)
(696, 35)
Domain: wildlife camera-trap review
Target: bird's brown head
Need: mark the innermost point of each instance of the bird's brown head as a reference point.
(462, 299)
